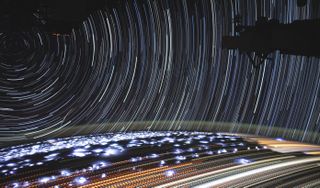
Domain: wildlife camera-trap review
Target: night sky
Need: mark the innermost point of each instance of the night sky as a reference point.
(157, 60)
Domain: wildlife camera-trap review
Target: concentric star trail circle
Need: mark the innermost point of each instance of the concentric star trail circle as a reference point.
(156, 60)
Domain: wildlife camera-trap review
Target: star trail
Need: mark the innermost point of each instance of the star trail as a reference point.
(157, 60)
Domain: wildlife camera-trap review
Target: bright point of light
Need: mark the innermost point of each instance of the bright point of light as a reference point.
(80, 180)
(44, 179)
(65, 173)
(136, 159)
(98, 150)
(169, 173)
(180, 157)
(154, 155)
(79, 152)
(51, 156)
(243, 161)
(195, 155)
(279, 139)
(209, 152)
(178, 151)
(11, 164)
(26, 184)
(110, 151)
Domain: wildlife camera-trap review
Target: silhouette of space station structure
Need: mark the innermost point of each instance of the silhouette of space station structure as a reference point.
(301, 38)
